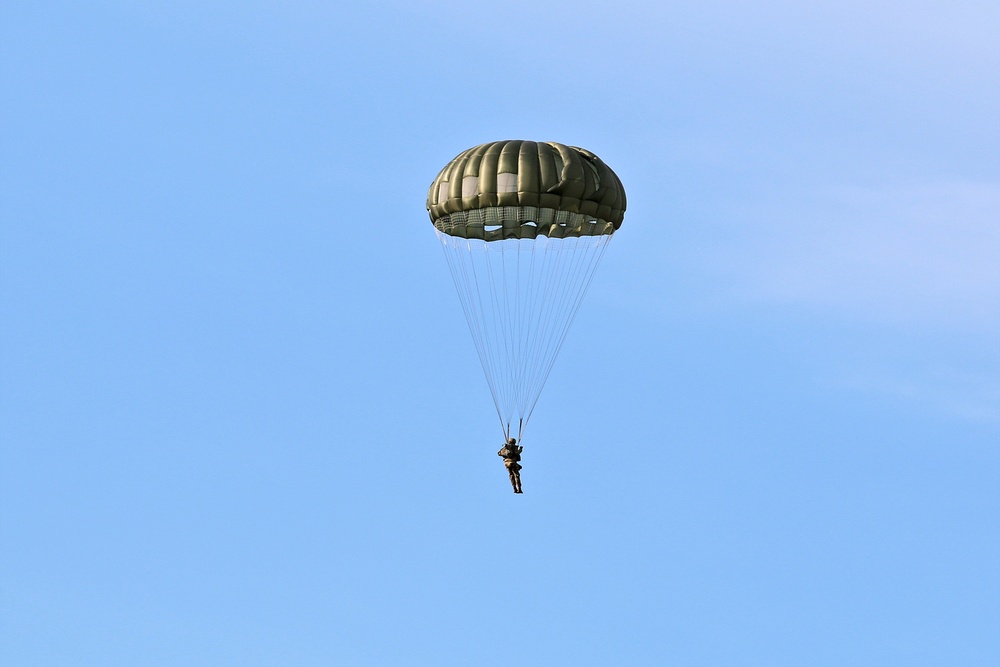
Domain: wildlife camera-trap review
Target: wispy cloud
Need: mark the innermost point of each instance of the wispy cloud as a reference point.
(921, 254)
(972, 396)
(923, 260)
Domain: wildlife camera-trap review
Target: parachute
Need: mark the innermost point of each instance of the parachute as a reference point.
(523, 225)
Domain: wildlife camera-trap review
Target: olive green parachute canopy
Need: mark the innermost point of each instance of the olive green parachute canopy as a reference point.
(524, 189)
(523, 226)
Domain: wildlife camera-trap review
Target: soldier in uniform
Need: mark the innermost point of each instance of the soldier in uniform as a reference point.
(511, 453)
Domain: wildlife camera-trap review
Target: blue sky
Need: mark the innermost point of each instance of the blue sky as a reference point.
(243, 422)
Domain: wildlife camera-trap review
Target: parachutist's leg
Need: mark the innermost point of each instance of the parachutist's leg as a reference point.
(513, 478)
(517, 481)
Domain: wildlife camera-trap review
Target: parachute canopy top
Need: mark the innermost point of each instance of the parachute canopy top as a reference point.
(524, 189)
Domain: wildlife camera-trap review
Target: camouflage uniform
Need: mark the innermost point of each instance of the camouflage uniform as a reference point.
(511, 453)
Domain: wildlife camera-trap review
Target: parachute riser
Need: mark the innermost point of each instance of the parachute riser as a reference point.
(506, 430)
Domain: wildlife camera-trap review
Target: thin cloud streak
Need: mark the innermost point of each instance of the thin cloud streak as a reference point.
(973, 397)
(924, 255)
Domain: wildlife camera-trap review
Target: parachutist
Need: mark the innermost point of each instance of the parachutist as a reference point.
(511, 453)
